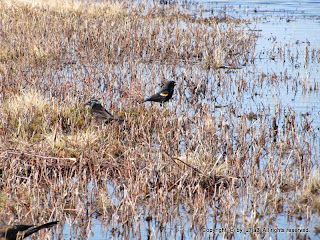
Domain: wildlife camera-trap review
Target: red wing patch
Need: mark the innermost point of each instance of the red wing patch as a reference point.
(164, 94)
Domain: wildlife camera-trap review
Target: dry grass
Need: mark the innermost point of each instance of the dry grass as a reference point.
(184, 160)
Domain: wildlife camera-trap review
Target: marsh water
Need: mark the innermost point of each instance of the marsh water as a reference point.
(288, 40)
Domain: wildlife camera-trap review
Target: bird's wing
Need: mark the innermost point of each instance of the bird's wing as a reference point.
(99, 111)
(36, 229)
(108, 113)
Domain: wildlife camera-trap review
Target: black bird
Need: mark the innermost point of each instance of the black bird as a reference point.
(164, 94)
(100, 113)
(14, 232)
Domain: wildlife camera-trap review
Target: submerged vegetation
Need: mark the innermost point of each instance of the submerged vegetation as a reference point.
(196, 158)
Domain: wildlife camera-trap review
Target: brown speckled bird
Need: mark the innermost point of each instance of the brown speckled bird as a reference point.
(100, 113)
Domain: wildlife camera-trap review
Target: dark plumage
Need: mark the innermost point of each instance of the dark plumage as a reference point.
(100, 113)
(14, 232)
(164, 94)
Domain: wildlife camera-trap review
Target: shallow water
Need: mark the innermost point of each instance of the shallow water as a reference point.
(293, 27)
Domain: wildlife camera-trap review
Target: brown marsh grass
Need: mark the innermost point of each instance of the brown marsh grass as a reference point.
(181, 161)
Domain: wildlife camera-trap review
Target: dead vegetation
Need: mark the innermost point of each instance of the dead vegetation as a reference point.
(192, 159)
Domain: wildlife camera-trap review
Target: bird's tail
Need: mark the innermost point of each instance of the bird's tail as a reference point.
(142, 101)
(36, 229)
(119, 120)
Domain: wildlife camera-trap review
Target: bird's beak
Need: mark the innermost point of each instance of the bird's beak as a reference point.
(87, 103)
